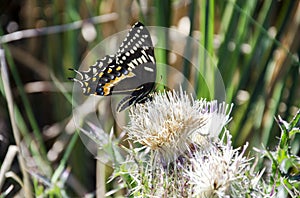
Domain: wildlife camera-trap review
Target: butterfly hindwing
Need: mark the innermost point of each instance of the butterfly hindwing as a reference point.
(88, 80)
(132, 70)
(140, 95)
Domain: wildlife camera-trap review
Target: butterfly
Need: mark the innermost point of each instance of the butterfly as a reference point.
(132, 70)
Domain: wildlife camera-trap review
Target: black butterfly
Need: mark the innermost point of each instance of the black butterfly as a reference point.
(132, 70)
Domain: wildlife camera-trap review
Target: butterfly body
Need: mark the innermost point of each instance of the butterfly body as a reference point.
(132, 70)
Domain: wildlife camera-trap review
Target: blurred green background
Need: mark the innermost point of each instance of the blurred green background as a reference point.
(255, 44)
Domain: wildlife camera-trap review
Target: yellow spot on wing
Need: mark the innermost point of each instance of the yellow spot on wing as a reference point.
(130, 75)
(119, 68)
(109, 70)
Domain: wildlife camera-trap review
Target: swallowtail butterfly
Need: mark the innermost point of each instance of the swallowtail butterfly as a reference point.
(132, 70)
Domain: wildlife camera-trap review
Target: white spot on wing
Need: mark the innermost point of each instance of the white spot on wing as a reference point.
(87, 77)
(135, 62)
(131, 65)
(144, 59)
(152, 59)
(144, 52)
(148, 69)
(140, 60)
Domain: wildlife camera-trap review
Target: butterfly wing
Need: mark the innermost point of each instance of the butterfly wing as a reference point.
(136, 61)
(88, 80)
(137, 54)
(139, 95)
(131, 71)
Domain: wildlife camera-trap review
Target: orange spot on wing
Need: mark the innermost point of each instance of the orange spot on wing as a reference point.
(106, 90)
(112, 83)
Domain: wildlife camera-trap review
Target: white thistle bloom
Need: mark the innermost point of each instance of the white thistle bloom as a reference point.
(194, 162)
(172, 122)
(222, 172)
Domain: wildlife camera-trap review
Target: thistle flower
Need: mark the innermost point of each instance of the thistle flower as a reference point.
(172, 122)
(221, 172)
(182, 154)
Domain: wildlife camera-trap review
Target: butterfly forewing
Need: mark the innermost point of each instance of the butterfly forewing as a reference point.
(131, 71)
(136, 55)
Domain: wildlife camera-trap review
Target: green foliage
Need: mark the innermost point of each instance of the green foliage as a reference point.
(285, 174)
